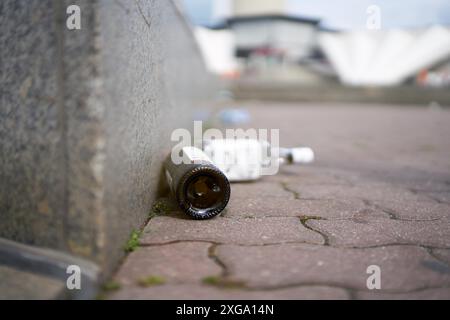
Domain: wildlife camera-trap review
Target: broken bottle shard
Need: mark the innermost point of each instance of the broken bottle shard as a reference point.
(248, 159)
(200, 188)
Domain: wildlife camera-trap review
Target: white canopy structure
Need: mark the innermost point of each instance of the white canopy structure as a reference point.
(384, 58)
(217, 47)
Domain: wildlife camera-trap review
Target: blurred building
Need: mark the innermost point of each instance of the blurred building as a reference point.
(265, 29)
(257, 7)
(388, 58)
(436, 77)
(278, 36)
(262, 39)
(217, 46)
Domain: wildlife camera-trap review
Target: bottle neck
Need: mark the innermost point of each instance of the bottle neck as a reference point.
(299, 155)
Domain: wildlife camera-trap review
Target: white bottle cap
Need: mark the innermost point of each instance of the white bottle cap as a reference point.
(302, 155)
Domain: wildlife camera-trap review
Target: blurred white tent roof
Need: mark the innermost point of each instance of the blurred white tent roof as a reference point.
(384, 58)
(217, 47)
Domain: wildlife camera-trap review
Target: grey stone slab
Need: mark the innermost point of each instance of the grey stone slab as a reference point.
(439, 184)
(202, 292)
(31, 149)
(309, 175)
(414, 210)
(403, 268)
(258, 189)
(353, 134)
(427, 294)
(373, 191)
(252, 231)
(442, 254)
(174, 263)
(443, 197)
(261, 207)
(273, 207)
(86, 118)
(367, 170)
(365, 232)
(21, 285)
(362, 177)
(153, 79)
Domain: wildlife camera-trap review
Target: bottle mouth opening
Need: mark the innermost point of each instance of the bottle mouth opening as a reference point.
(205, 193)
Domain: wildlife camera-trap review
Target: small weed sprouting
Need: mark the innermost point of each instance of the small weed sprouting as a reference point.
(151, 281)
(222, 282)
(111, 286)
(133, 241)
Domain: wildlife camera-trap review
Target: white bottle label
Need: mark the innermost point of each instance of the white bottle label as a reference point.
(238, 159)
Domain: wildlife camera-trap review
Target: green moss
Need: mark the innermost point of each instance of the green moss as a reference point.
(286, 188)
(101, 296)
(111, 286)
(161, 207)
(212, 280)
(222, 282)
(151, 281)
(106, 288)
(303, 219)
(133, 241)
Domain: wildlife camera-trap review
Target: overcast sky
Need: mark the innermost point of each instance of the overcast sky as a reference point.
(349, 14)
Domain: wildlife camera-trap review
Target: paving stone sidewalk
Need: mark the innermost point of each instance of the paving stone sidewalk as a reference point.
(378, 194)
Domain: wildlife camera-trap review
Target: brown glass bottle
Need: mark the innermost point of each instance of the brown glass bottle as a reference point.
(200, 188)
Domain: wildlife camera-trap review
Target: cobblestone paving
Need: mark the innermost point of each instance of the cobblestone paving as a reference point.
(378, 194)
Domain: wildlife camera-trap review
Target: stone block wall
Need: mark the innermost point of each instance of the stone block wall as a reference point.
(86, 117)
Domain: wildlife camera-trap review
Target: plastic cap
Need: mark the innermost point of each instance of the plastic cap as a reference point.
(302, 155)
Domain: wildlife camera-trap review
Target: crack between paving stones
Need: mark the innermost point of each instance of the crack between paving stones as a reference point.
(431, 253)
(224, 281)
(225, 243)
(436, 199)
(305, 219)
(290, 243)
(225, 276)
(324, 218)
(391, 214)
(351, 290)
(427, 194)
(214, 257)
(296, 194)
(394, 215)
(286, 188)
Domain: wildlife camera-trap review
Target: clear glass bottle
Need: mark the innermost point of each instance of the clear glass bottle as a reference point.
(246, 159)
